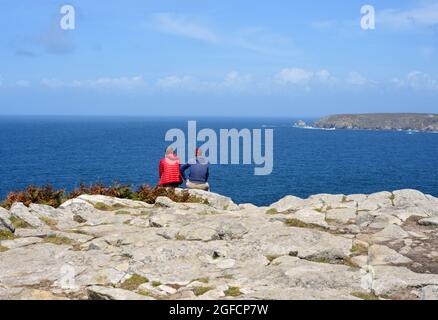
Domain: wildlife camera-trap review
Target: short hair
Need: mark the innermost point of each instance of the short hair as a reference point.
(169, 150)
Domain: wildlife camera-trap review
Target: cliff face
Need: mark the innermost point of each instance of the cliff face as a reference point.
(324, 247)
(382, 121)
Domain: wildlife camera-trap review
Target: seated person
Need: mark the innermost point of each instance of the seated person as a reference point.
(169, 170)
(198, 177)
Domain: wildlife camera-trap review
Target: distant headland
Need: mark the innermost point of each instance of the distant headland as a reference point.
(381, 121)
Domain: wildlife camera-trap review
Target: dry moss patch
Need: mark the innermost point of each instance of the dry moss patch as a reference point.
(272, 211)
(300, 224)
(134, 282)
(6, 235)
(359, 249)
(232, 292)
(199, 291)
(48, 221)
(54, 239)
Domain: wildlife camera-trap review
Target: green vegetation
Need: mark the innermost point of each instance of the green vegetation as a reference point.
(104, 207)
(133, 282)
(272, 211)
(195, 199)
(58, 240)
(322, 260)
(272, 257)
(232, 292)
(48, 196)
(203, 280)
(300, 224)
(392, 198)
(3, 249)
(180, 237)
(122, 212)
(6, 235)
(348, 262)
(19, 223)
(365, 296)
(198, 291)
(156, 283)
(359, 249)
(147, 293)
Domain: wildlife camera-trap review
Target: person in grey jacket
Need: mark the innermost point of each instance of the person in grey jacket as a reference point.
(199, 172)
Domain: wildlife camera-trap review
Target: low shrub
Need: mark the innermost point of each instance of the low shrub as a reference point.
(49, 196)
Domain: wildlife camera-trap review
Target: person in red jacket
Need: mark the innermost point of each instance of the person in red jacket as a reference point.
(169, 170)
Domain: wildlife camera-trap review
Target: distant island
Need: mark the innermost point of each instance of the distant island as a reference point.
(381, 121)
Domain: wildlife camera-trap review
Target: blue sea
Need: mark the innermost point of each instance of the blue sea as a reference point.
(65, 151)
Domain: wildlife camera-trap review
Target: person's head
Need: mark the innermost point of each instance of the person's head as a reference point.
(169, 151)
(198, 152)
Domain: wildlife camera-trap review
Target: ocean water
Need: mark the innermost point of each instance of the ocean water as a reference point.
(65, 151)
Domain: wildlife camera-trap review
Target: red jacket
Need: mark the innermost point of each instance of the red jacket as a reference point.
(170, 170)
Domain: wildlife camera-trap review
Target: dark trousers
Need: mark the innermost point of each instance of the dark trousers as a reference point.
(171, 185)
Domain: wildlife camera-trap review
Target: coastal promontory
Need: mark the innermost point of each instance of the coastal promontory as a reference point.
(381, 121)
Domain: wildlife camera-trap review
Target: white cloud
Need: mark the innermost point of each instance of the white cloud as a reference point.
(237, 81)
(420, 80)
(124, 83)
(356, 79)
(176, 82)
(417, 80)
(294, 76)
(234, 81)
(184, 26)
(303, 77)
(22, 83)
(255, 39)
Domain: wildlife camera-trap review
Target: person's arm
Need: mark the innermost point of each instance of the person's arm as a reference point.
(160, 168)
(183, 169)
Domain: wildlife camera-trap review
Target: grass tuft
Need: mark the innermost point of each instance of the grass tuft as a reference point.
(6, 235)
(300, 224)
(19, 223)
(272, 211)
(359, 249)
(199, 291)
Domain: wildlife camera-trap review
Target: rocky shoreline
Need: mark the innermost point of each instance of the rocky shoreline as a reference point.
(381, 121)
(378, 246)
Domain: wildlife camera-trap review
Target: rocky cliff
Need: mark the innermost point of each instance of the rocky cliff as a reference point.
(381, 121)
(378, 246)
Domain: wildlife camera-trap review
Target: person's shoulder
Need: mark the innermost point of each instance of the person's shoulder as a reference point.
(203, 161)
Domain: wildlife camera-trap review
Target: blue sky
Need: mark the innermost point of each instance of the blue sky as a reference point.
(204, 57)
